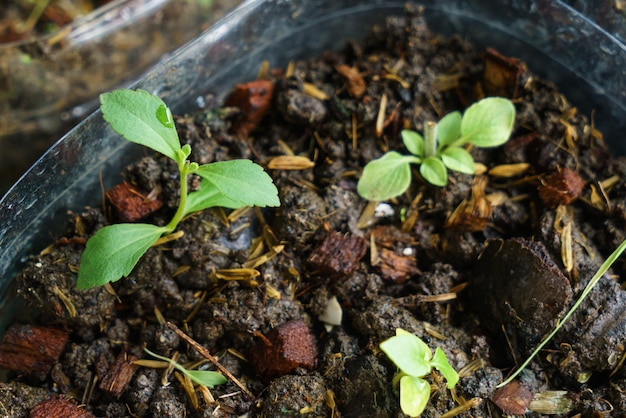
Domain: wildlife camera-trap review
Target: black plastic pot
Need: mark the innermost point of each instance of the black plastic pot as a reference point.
(554, 40)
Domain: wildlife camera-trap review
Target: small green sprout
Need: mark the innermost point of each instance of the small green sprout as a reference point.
(143, 118)
(202, 377)
(415, 360)
(487, 123)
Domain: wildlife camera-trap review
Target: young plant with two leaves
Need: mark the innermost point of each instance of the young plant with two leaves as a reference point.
(143, 118)
(415, 360)
(487, 123)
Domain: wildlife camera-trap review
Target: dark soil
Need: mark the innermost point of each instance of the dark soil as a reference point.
(482, 268)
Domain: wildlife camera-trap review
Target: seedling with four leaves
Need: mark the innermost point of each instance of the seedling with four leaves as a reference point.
(487, 123)
(143, 118)
(415, 360)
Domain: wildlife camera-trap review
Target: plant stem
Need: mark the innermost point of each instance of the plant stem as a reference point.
(595, 279)
(183, 169)
(430, 139)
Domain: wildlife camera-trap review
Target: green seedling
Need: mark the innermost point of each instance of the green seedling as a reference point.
(202, 377)
(487, 123)
(143, 118)
(594, 280)
(415, 360)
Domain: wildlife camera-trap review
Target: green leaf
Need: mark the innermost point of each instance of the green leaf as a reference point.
(408, 353)
(114, 251)
(201, 377)
(413, 142)
(448, 129)
(206, 377)
(440, 362)
(142, 118)
(386, 177)
(241, 181)
(414, 395)
(489, 122)
(434, 172)
(208, 196)
(457, 159)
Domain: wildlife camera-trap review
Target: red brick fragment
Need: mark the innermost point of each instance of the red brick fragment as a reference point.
(118, 376)
(254, 99)
(285, 348)
(59, 407)
(130, 204)
(30, 349)
(561, 188)
(513, 399)
(338, 254)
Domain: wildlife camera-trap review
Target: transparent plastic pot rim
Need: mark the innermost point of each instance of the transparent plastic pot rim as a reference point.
(106, 18)
(555, 41)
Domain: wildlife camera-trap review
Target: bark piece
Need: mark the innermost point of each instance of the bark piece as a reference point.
(130, 204)
(30, 349)
(356, 84)
(284, 349)
(59, 407)
(503, 75)
(338, 255)
(254, 98)
(395, 267)
(118, 376)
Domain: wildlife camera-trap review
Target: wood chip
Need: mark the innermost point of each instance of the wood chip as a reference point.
(339, 254)
(395, 267)
(59, 407)
(31, 349)
(132, 205)
(254, 99)
(502, 75)
(284, 349)
(119, 375)
(561, 188)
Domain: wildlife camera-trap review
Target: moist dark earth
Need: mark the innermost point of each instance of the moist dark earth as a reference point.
(482, 268)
